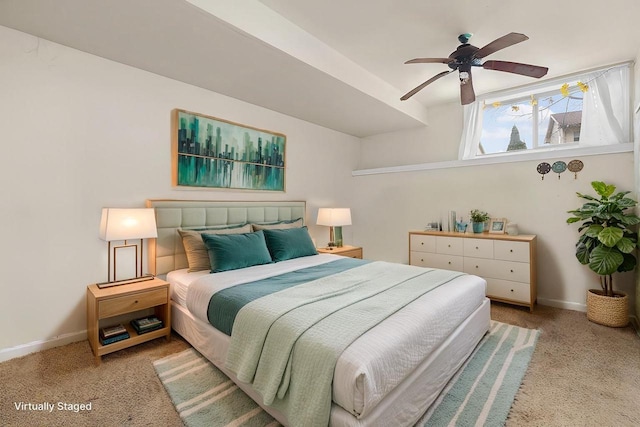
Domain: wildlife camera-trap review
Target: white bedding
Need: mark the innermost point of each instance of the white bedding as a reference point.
(378, 361)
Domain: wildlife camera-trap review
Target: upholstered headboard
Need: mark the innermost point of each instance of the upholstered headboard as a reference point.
(166, 253)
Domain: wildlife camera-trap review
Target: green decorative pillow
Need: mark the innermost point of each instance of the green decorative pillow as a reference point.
(289, 243)
(234, 251)
(279, 225)
(197, 255)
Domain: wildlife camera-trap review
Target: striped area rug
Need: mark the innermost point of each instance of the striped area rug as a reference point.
(482, 391)
(480, 394)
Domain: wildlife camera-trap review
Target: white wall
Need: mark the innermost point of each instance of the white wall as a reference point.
(81, 133)
(415, 146)
(389, 205)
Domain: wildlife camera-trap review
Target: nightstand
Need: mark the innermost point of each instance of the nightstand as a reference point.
(346, 250)
(125, 299)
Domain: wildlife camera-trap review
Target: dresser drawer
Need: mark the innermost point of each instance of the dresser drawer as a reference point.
(478, 248)
(128, 303)
(505, 289)
(511, 251)
(422, 243)
(496, 269)
(449, 245)
(445, 262)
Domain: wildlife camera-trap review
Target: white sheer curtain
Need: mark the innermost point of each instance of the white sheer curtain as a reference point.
(472, 128)
(605, 111)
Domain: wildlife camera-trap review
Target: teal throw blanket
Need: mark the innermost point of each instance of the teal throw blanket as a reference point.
(225, 304)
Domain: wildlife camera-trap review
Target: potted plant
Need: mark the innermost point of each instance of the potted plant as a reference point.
(606, 244)
(478, 218)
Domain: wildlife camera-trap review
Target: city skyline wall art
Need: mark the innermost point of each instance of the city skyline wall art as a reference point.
(215, 153)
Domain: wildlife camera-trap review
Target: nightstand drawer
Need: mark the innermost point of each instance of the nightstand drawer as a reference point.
(128, 303)
(354, 253)
(346, 250)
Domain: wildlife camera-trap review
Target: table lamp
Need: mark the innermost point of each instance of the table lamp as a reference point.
(335, 218)
(124, 225)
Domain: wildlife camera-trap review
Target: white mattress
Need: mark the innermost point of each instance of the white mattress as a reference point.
(379, 360)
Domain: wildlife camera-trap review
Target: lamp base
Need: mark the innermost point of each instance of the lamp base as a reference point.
(338, 236)
(126, 281)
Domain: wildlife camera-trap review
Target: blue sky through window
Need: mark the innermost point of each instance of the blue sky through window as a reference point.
(498, 119)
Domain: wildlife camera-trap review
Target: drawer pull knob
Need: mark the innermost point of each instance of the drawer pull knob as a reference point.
(422, 243)
(135, 302)
(476, 266)
(449, 262)
(511, 290)
(476, 247)
(448, 246)
(422, 259)
(510, 250)
(511, 271)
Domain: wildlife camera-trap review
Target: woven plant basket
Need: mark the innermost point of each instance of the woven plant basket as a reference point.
(608, 311)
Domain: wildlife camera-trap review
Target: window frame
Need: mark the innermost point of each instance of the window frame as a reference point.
(539, 90)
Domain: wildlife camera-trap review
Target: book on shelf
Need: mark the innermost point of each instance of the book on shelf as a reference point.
(147, 324)
(115, 338)
(112, 331)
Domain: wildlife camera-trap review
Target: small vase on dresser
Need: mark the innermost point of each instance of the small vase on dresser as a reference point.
(478, 227)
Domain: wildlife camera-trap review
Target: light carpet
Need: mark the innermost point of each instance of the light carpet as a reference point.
(480, 394)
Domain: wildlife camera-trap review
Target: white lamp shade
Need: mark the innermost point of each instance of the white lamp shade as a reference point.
(125, 224)
(334, 217)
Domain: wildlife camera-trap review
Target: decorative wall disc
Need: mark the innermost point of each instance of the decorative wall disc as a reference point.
(559, 167)
(575, 166)
(543, 168)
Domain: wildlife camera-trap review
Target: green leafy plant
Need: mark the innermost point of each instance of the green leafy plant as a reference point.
(479, 216)
(608, 239)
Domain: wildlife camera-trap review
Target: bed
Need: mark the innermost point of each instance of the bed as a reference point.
(389, 374)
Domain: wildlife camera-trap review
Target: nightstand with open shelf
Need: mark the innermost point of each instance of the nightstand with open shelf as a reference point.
(126, 299)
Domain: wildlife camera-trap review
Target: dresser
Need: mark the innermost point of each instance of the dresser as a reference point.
(507, 263)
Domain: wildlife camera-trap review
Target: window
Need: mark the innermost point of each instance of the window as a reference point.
(588, 109)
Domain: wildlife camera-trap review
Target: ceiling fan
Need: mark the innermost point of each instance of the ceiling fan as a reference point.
(467, 56)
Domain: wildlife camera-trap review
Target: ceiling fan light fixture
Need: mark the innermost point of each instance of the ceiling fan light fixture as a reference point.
(467, 56)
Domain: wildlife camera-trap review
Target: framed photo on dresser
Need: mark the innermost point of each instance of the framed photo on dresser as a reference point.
(498, 225)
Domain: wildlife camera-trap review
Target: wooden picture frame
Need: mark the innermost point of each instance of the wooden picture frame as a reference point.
(498, 225)
(218, 154)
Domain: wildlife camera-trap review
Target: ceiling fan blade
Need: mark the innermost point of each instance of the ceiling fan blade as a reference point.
(467, 95)
(500, 43)
(516, 68)
(429, 61)
(423, 85)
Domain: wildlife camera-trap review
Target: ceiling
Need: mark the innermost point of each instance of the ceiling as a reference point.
(336, 63)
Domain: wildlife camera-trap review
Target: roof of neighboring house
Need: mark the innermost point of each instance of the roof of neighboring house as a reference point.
(563, 120)
(570, 118)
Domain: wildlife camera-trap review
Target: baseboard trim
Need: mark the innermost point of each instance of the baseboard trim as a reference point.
(562, 304)
(35, 346)
(582, 307)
